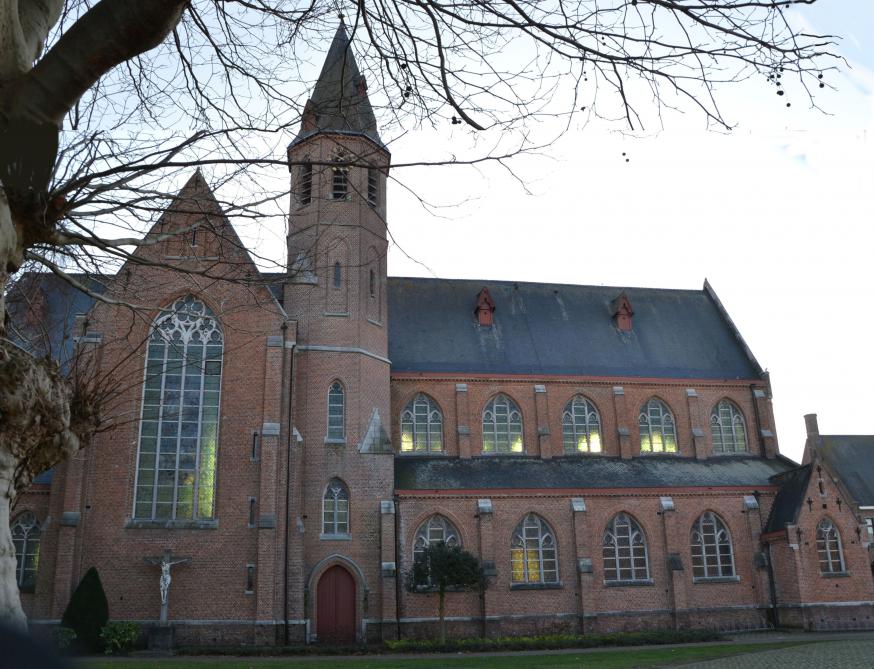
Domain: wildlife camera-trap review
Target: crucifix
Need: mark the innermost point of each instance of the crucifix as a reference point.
(166, 561)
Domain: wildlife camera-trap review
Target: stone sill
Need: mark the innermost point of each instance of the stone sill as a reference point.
(335, 442)
(335, 537)
(715, 579)
(835, 574)
(536, 586)
(421, 454)
(629, 584)
(144, 524)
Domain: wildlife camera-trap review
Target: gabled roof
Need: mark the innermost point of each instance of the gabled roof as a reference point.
(790, 497)
(519, 472)
(542, 328)
(851, 459)
(339, 102)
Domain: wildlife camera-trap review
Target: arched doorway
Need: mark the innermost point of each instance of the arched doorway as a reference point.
(335, 607)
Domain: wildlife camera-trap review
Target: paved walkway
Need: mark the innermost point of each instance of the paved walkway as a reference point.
(849, 653)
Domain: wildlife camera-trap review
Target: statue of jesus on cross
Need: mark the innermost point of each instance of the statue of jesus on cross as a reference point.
(165, 562)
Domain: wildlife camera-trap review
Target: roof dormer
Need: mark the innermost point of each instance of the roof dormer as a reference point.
(485, 308)
(622, 312)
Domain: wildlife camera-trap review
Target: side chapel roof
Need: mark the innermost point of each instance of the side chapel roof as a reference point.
(521, 472)
(851, 459)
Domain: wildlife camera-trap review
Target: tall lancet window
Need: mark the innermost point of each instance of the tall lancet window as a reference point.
(25, 539)
(176, 466)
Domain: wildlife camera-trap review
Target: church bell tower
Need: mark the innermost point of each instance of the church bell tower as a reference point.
(341, 457)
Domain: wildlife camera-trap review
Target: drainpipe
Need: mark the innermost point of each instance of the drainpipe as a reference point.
(398, 576)
(672, 596)
(772, 583)
(581, 611)
(290, 437)
(482, 590)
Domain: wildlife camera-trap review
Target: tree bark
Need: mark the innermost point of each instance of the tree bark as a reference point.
(11, 613)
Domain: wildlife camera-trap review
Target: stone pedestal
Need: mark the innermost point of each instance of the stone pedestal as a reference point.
(161, 638)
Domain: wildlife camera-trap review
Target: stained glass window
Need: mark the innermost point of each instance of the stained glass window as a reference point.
(728, 429)
(581, 427)
(176, 466)
(658, 433)
(712, 555)
(624, 550)
(502, 426)
(335, 508)
(421, 426)
(25, 539)
(533, 554)
(828, 547)
(434, 530)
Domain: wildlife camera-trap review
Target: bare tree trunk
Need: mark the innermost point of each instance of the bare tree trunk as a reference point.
(11, 613)
(36, 430)
(9, 255)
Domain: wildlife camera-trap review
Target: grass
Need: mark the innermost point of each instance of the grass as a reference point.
(625, 658)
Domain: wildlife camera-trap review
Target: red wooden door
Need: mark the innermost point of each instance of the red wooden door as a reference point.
(335, 614)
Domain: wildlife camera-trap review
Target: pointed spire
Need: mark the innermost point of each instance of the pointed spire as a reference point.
(339, 102)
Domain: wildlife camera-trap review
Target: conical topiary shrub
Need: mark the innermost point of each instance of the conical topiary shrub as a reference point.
(88, 612)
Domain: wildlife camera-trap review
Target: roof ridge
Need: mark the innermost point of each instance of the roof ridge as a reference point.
(696, 291)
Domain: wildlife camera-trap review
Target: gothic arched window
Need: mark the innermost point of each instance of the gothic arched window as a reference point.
(335, 508)
(340, 176)
(434, 530)
(533, 554)
(25, 539)
(728, 428)
(712, 555)
(581, 426)
(828, 547)
(658, 433)
(336, 412)
(421, 426)
(502, 426)
(176, 465)
(624, 550)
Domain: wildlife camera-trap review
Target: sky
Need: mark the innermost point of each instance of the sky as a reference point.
(775, 214)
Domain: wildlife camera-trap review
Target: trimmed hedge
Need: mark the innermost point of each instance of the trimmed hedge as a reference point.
(542, 642)
(554, 641)
(87, 613)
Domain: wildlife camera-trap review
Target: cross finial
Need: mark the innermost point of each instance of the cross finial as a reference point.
(340, 16)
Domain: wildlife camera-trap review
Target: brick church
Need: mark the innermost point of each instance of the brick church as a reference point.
(284, 446)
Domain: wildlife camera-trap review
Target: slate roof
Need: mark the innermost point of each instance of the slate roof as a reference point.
(57, 304)
(793, 485)
(519, 472)
(339, 99)
(542, 328)
(851, 459)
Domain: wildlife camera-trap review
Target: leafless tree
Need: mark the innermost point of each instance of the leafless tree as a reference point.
(98, 99)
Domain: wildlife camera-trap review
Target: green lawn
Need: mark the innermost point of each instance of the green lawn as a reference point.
(623, 658)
